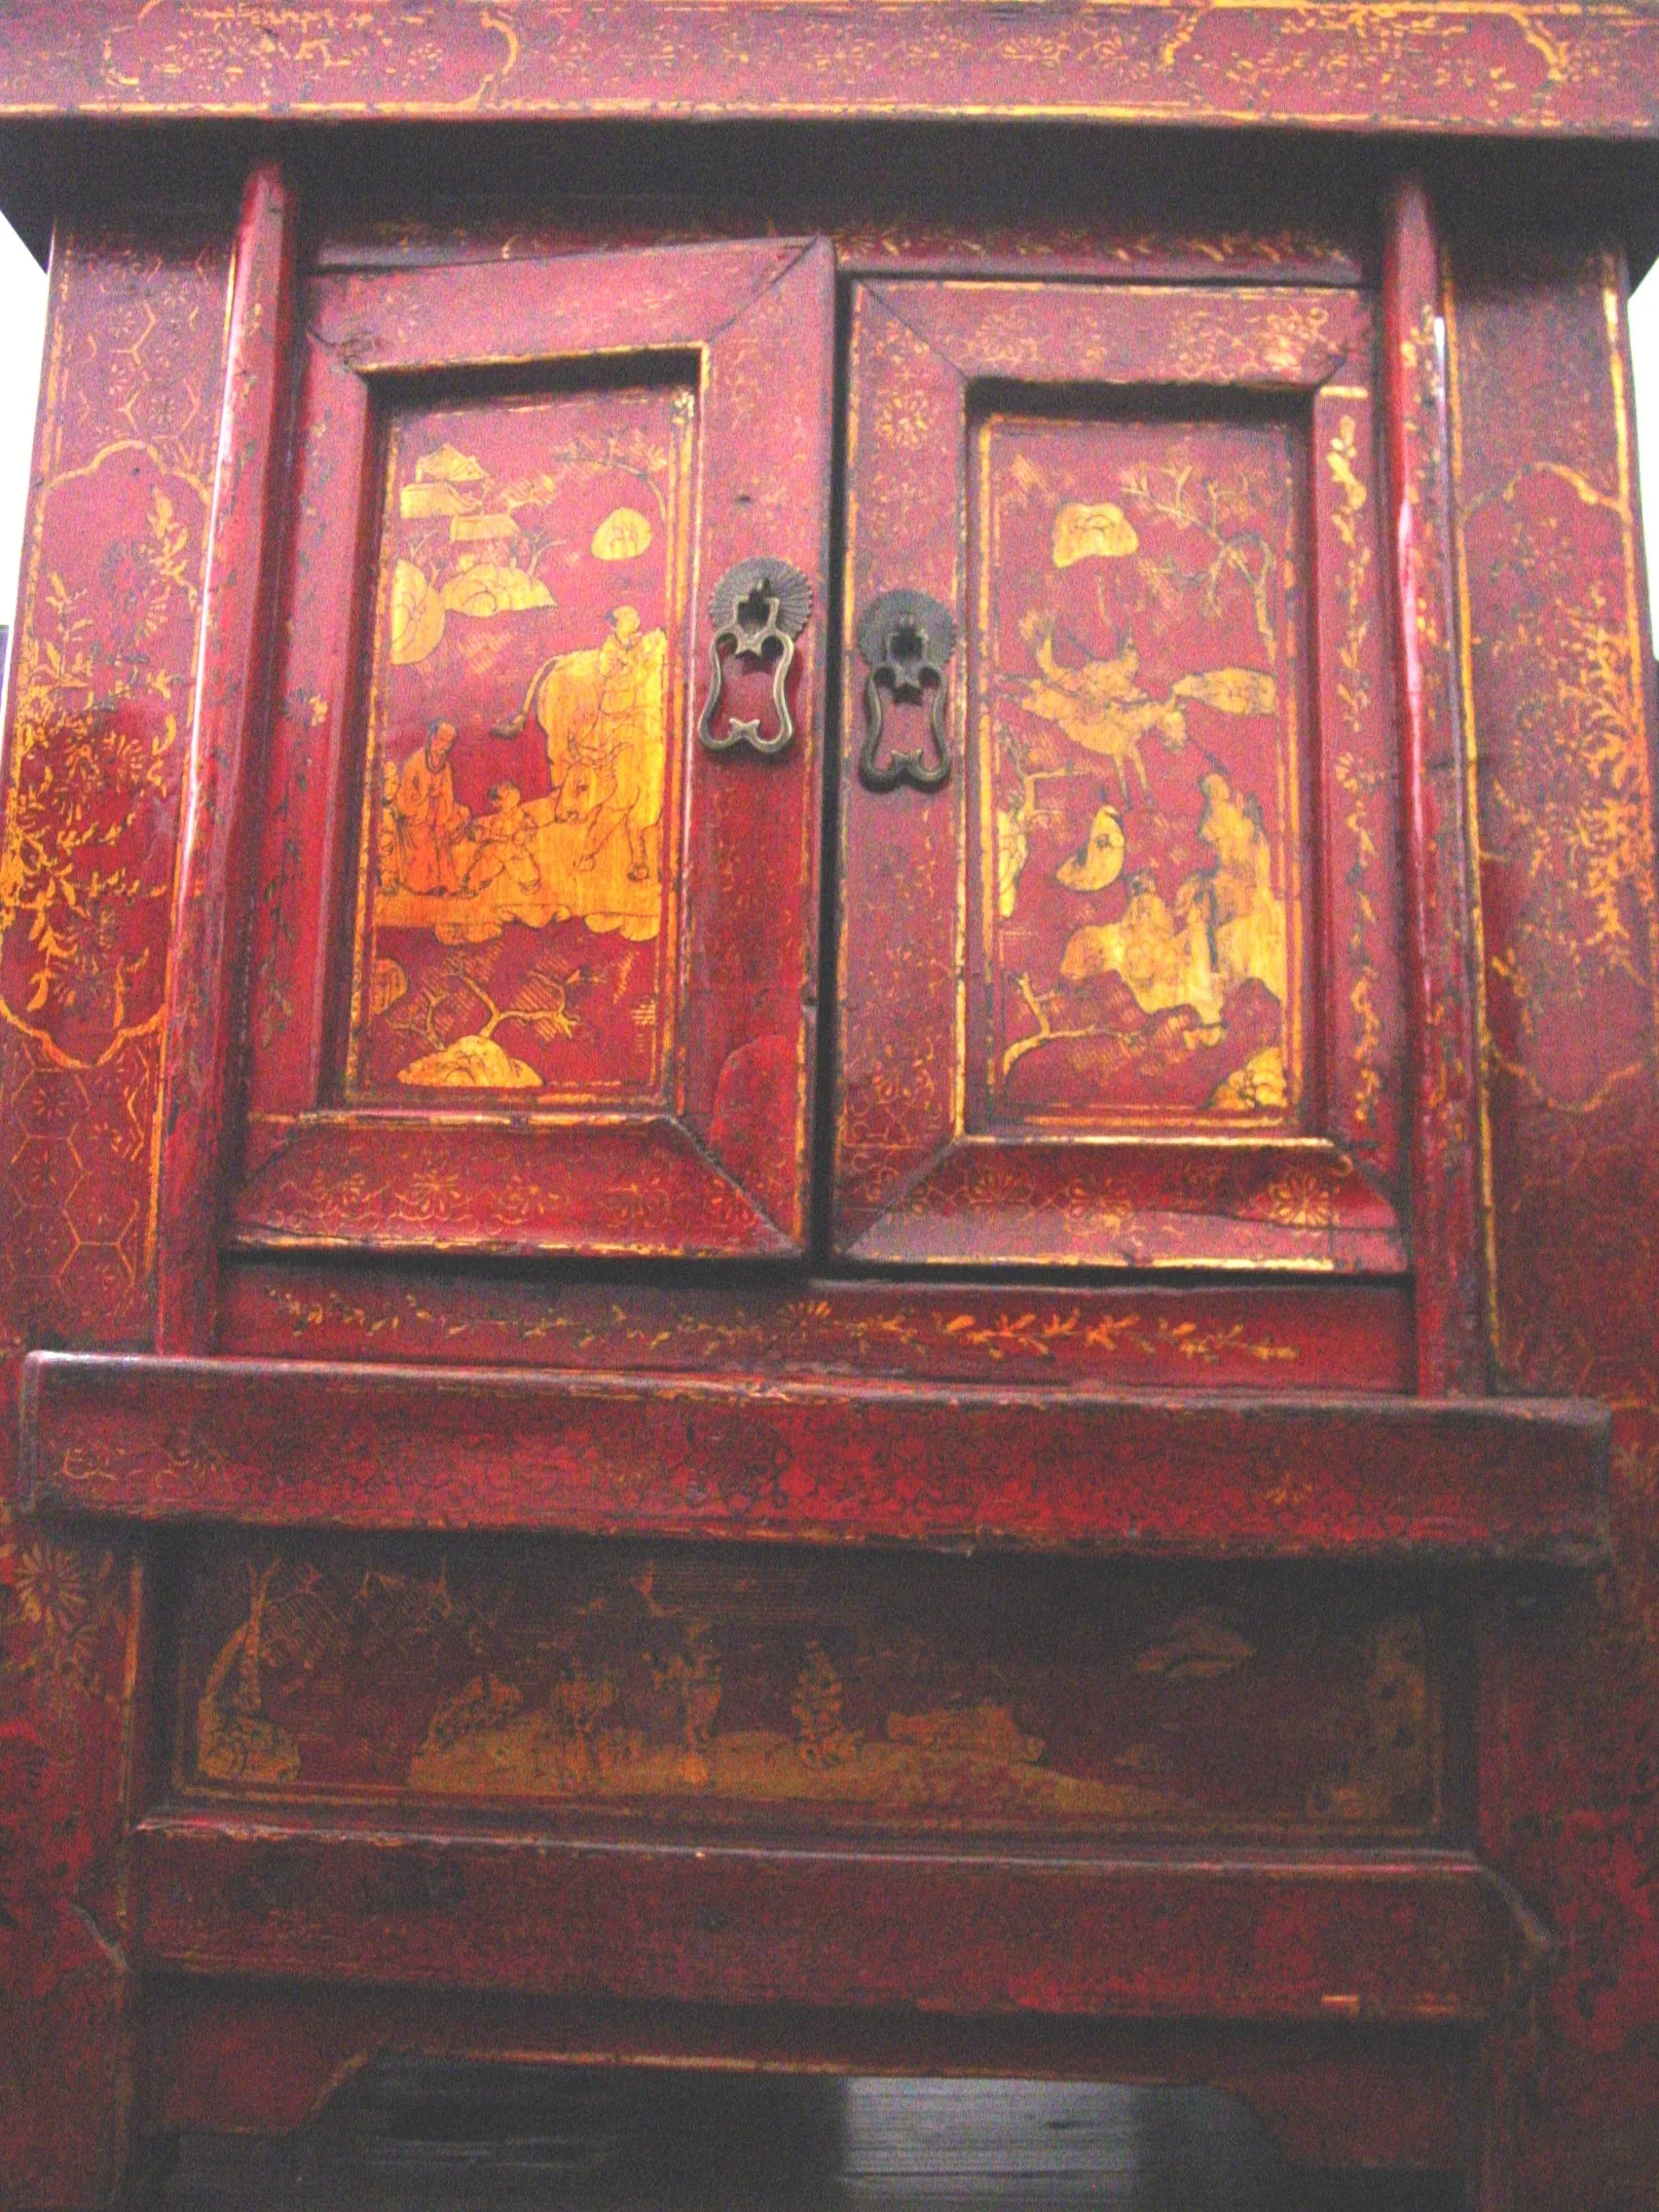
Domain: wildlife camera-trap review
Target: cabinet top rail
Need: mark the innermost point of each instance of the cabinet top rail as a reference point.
(1443, 67)
(815, 1458)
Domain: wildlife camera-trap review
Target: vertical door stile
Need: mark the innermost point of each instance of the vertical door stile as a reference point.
(214, 867)
(1442, 912)
(904, 850)
(752, 826)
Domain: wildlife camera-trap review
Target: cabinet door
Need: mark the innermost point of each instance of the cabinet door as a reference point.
(533, 955)
(1119, 968)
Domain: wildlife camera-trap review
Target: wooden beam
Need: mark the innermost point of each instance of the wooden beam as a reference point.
(1526, 70)
(1341, 1938)
(287, 1444)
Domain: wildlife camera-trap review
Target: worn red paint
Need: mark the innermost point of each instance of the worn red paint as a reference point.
(1560, 685)
(1457, 68)
(198, 1053)
(408, 1370)
(1445, 1164)
(1248, 1474)
(101, 692)
(1428, 1939)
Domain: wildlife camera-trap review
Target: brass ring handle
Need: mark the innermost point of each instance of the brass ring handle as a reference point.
(758, 609)
(905, 640)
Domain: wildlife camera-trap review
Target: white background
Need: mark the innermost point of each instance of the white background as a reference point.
(22, 323)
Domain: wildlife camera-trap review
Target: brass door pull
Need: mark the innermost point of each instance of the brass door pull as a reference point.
(905, 639)
(759, 608)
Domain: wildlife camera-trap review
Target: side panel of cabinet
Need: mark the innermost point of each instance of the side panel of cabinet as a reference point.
(1557, 674)
(1119, 960)
(534, 960)
(101, 704)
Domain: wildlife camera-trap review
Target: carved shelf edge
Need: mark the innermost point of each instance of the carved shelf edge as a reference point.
(291, 1444)
(1421, 1937)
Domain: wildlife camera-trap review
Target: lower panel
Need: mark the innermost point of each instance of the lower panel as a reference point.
(722, 1689)
(1399, 1937)
(343, 1182)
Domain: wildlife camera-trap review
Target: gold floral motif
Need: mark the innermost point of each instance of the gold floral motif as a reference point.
(64, 1596)
(79, 774)
(996, 1335)
(1361, 786)
(103, 677)
(1341, 459)
(1299, 1199)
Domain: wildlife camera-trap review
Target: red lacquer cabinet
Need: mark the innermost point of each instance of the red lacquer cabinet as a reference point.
(827, 952)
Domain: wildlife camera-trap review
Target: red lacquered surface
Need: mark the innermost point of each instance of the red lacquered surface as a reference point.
(1108, 996)
(1558, 681)
(801, 1789)
(104, 669)
(534, 969)
(1535, 71)
(379, 1446)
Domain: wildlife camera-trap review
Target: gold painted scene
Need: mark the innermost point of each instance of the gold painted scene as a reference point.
(688, 1682)
(515, 913)
(1139, 773)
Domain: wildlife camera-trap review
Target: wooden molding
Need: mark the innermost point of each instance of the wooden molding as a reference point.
(286, 1444)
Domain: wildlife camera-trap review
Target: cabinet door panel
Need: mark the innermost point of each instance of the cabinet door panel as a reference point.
(534, 969)
(1123, 989)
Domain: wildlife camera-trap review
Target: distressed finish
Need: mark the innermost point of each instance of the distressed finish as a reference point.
(477, 1578)
(1251, 1474)
(103, 671)
(200, 1059)
(850, 1692)
(1289, 1337)
(1397, 1936)
(1132, 1016)
(1559, 682)
(1439, 66)
(575, 1011)
(1445, 1164)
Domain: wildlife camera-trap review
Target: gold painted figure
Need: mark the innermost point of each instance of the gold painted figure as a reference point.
(590, 850)
(1100, 705)
(429, 817)
(1228, 926)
